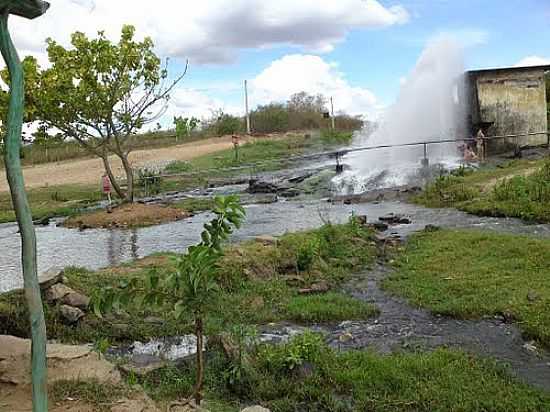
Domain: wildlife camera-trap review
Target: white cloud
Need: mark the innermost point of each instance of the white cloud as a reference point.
(310, 73)
(533, 61)
(192, 102)
(211, 31)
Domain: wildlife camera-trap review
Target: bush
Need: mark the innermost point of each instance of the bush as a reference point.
(270, 118)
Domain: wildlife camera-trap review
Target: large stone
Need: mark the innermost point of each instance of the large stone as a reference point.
(260, 186)
(57, 292)
(76, 300)
(70, 314)
(142, 364)
(50, 277)
(256, 408)
(65, 362)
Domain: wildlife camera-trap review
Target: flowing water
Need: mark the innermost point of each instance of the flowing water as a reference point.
(97, 248)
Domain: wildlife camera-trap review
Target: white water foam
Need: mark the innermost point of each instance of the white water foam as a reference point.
(429, 108)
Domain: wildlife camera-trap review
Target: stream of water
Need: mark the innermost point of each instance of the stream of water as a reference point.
(97, 248)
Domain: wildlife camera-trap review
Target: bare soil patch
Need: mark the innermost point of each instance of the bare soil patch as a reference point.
(127, 216)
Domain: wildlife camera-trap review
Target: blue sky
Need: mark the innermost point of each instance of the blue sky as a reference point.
(357, 50)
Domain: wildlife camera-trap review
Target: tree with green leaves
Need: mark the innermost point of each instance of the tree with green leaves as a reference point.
(100, 94)
(185, 126)
(190, 287)
(13, 120)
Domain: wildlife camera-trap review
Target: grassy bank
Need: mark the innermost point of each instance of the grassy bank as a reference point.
(52, 201)
(517, 189)
(305, 375)
(259, 283)
(491, 274)
(272, 153)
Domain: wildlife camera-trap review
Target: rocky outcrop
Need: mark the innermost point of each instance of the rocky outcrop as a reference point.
(65, 362)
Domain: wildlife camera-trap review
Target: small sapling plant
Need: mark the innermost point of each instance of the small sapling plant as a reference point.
(187, 289)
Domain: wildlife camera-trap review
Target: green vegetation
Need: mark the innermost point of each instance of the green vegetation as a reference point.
(52, 201)
(330, 136)
(491, 274)
(272, 154)
(518, 189)
(306, 375)
(93, 393)
(258, 283)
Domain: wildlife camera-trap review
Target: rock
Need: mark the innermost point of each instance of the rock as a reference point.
(65, 362)
(142, 364)
(50, 277)
(394, 219)
(76, 300)
(260, 186)
(69, 314)
(267, 240)
(380, 226)
(292, 192)
(361, 219)
(57, 292)
(154, 320)
(305, 370)
(256, 408)
(319, 287)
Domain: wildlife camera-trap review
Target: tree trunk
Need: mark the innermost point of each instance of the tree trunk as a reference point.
(200, 359)
(129, 177)
(24, 218)
(109, 172)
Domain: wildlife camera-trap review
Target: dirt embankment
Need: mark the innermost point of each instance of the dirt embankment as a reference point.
(127, 216)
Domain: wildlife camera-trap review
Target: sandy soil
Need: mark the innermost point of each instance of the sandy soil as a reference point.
(89, 171)
(126, 216)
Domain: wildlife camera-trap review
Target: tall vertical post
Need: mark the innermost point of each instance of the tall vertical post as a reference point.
(246, 107)
(12, 142)
(332, 112)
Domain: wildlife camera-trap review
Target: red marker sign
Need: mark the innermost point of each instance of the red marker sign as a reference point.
(106, 184)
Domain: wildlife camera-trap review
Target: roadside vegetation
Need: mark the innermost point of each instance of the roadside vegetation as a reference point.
(517, 189)
(491, 274)
(259, 282)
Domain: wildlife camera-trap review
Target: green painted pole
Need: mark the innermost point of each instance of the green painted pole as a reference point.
(12, 144)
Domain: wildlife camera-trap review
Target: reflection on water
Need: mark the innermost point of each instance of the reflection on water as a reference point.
(96, 248)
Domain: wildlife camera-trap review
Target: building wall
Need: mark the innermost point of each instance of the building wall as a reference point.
(514, 101)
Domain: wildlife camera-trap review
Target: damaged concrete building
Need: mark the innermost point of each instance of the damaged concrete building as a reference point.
(510, 101)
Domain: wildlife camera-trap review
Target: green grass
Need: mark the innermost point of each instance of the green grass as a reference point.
(258, 284)
(52, 201)
(500, 192)
(194, 205)
(329, 307)
(93, 393)
(490, 274)
(353, 381)
(271, 153)
(339, 137)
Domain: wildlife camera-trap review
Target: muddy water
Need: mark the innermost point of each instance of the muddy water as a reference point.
(93, 249)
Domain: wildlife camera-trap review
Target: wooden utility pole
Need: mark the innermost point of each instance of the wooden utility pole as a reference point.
(331, 112)
(246, 107)
(12, 145)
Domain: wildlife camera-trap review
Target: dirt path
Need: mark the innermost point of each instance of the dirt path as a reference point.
(89, 171)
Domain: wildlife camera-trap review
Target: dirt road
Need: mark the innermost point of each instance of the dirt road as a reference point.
(89, 171)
